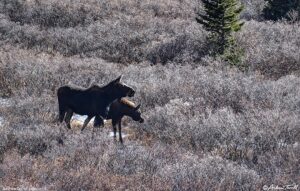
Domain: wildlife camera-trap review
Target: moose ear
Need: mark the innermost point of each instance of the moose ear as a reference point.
(118, 79)
(138, 107)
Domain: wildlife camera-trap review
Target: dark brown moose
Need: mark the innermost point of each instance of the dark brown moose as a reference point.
(93, 101)
(117, 110)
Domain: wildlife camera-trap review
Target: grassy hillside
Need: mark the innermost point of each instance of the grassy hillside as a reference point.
(207, 126)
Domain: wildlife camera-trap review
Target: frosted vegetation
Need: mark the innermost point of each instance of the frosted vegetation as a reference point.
(207, 126)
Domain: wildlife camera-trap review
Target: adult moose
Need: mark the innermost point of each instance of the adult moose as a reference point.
(93, 101)
(117, 110)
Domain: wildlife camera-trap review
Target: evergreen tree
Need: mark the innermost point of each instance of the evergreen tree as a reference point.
(278, 9)
(221, 19)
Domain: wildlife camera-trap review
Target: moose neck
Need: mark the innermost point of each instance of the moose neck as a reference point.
(110, 97)
(128, 111)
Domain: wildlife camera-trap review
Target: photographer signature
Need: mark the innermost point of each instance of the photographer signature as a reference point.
(277, 187)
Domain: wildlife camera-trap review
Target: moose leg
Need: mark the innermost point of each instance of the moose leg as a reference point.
(98, 122)
(120, 133)
(68, 118)
(61, 116)
(86, 121)
(114, 123)
(62, 113)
